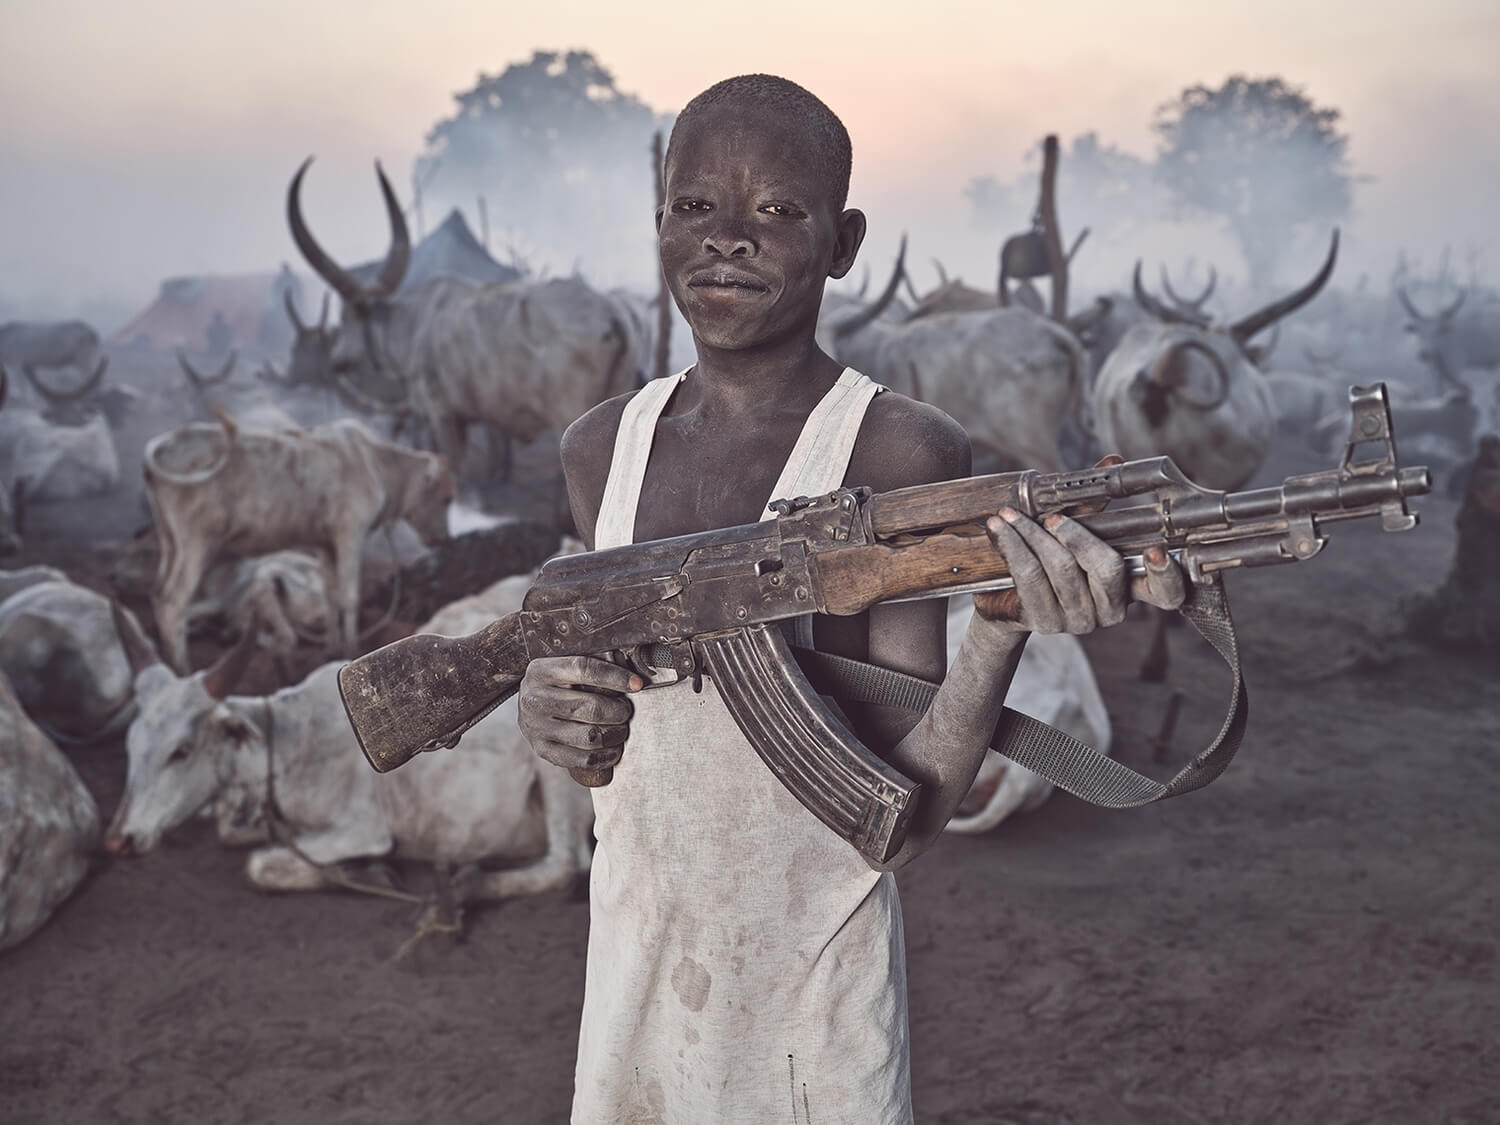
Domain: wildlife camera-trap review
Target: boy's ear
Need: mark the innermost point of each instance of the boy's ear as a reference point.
(660, 212)
(851, 233)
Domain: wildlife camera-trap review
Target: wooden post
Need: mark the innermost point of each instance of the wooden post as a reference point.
(663, 297)
(1050, 232)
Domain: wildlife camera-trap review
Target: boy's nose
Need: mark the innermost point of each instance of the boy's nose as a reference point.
(729, 244)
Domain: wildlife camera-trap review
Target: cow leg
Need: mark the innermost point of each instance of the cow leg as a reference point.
(172, 596)
(344, 593)
(1154, 666)
(570, 846)
(314, 863)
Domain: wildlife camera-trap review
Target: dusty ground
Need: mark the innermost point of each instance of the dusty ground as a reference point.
(1312, 939)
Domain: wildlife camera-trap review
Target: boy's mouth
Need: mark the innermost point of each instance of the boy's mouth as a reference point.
(719, 277)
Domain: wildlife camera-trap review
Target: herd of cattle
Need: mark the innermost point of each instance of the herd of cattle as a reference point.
(264, 504)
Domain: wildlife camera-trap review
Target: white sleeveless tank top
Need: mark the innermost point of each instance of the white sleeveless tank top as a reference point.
(745, 965)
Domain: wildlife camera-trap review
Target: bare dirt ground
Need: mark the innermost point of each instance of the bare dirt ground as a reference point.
(1311, 939)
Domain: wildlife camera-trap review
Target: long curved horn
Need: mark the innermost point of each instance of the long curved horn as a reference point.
(1159, 310)
(220, 679)
(88, 386)
(398, 257)
(887, 295)
(291, 311)
(1262, 318)
(1458, 303)
(150, 460)
(201, 381)
(339, 279)
(941, 272)
(323, 313)
(1258, 354)
(1159, 372)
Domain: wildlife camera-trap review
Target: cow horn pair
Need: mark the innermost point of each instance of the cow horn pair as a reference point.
(1444, 314)
(344, 283)
(1190, 304)
(291, 311)
(887, 295)
(202, 381)
(1164, 313)
(1166, 374)
(89, 385)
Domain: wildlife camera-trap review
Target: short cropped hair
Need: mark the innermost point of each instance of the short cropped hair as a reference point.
(828, 140)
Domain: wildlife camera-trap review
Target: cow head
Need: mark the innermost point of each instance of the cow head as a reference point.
(1432, 332)
(67, 407)
(425, 499)
(179, 746)
(311, 360)
(372, 335)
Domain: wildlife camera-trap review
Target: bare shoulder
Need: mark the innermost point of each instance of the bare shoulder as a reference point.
(904, 442)
(587, 448)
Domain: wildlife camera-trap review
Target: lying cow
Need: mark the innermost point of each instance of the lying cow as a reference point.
(62, 651)
(1054, 683)
(290, 759)
(48, 824)
(216, 487)
(56, 461)
(282, 595)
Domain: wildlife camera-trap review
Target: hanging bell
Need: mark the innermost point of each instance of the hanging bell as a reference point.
(1025, 256)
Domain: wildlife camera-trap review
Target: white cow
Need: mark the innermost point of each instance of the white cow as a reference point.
(54, 461)
(1054, 683)
(215, 487)
(1012, 378)
(1191, 389)
(61, 649)
(48, 824)
(290, 759)
(284, 593)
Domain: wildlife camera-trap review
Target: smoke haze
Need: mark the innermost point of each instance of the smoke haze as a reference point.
(152, 139)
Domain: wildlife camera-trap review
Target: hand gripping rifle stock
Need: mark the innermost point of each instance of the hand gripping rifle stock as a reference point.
(710, 603)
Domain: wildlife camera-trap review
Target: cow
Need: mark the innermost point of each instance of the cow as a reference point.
(1460, 340)
(49, 824)
(72, 344)
(1191, 389)
(215, 487)
(53, 460)
(286, 773)
(61, 649)
(522, 357)
(1012, 377)
(1054, 683)
(310, 361)
(283, 595)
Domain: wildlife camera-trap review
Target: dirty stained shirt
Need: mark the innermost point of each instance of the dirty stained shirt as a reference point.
(745, 966)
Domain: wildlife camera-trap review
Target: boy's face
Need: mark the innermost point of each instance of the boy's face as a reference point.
(749, 233)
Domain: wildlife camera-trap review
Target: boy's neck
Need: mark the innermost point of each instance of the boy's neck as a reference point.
(787, 376)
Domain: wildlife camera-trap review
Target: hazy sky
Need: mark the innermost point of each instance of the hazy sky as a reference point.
(149, 138)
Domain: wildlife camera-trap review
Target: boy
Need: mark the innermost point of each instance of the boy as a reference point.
(745, 964)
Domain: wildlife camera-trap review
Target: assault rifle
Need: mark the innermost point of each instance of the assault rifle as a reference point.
(710, 603)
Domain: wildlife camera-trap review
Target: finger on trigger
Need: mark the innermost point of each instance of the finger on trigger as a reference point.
(1163, 585)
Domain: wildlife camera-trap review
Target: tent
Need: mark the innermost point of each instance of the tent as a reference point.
(450, 248)
(249, 306)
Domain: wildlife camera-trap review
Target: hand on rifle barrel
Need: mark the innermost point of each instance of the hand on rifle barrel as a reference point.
(1067, 580)
(574, 711)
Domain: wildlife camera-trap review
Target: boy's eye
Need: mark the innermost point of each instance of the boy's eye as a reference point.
(689, 205)
(785, 210)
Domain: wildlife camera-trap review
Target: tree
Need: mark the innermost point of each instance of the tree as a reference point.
(1100, 186)
(1259, 154)
(562, 157)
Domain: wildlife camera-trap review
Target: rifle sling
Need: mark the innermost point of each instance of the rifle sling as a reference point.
(1071, 765)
